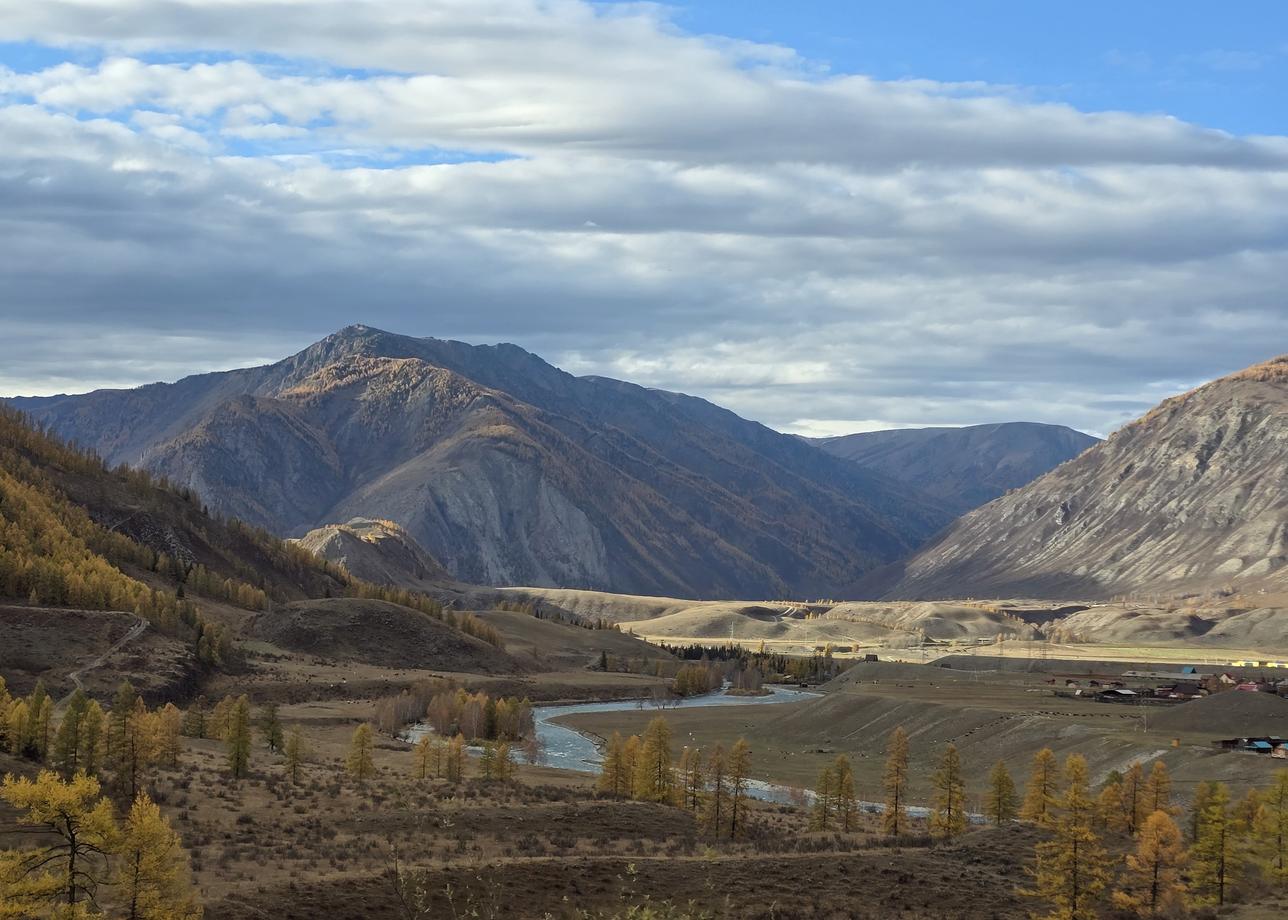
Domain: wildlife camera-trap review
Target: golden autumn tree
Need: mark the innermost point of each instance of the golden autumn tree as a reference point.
(1003, 801)
(717, 810)
(1040, 793)
(820, 816)
(296, 750)
(949, 817)
(1272, 829)
(153, 871)
(454, 759)
(1070, 873)
(739, 774)
(169, 729)
(1133, 798)
(68, 869)
(1152, 885)
(847, 804)
(1217, 856)
(692, 779)
(1158, 790)
(237, 738)
(422, 757)
(895, 783)
(631, 762)
(655, 771)
(612, 778)
(360, 764)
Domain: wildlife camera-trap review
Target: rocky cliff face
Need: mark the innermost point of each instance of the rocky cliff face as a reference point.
(1188, 498)
(963, 467)
(510, 471)
(380, 552)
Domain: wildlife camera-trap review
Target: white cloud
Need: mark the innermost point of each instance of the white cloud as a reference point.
(719, 217)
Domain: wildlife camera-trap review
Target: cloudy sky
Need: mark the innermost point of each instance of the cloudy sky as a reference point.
(825, 217)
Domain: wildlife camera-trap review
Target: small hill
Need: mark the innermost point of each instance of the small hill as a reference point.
(378, 633)
(1233, 713)
(1188, 498)
(554, 645)
(380, 552)
(962, 467)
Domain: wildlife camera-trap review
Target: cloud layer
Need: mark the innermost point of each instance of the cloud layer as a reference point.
(195, 185)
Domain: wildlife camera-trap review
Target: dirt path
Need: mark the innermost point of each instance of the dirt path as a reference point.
(139, 628)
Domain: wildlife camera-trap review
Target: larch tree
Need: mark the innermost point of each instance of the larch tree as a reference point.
(690, 778)
(895, 783)
(655, 772)
(1202, 795)
(847, 805)
(360, 763)
(296, 751)
(1158, 790)
(717, 810)
(93, 737)
(270, 727)
(138, 748)
(1152, 885)
(68, 870)
(1133, 798)
(1070, 871)
(505, 767)
(1272, 829)
(1110, 814)
(237, 738)
(949, 818)
(153, 875)
(1245, 811)
(117, 720)
(422, 757)
(739, 770)
(1040, 793)
(454, 759)
(68, 744)
(612, 778)
(1217, 855)
(169, 730)
(631, 762)
(16, 731)
(820, 818)
(1003, 800)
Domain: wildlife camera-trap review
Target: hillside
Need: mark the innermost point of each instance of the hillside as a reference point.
(375, 551)
(962, 468)
(510, 471)
(1188, 498)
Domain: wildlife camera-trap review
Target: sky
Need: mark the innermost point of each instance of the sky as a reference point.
(826, 216)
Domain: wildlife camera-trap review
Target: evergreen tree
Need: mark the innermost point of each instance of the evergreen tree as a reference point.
(154, 874)
(1272, 829)
(138, 749)
(454, 759)
(1040, 794)
(1110, 813)
(631, 762)
(1152, 885)
(423, 757)
(117, 720)
(169, 727)
(360, 763)
(1158, 790)
(1133, 798)
(824, 800)
(896, 784)
(194, 719)
(1202, 795)
(65, 873)
(68, 744)
(93, 737)
(1003, 800)
(505, 769)
(949, 818)
(237, 738)
(654, 772)
(1070, 871)
(1217, 855)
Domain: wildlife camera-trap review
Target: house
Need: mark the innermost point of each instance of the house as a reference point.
(1117, 696)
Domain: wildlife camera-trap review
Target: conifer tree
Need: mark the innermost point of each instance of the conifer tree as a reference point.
(718, 800)
(68, 744)
(1003, 800)
(422, 757)
(612, 779)
(847, 806)
(505, 768)
(360, 764)
(1152, 885)
(6, 704)
(1202, 796)
(487, 762)
(220, 719)
(138, 748)
(237, 738)
(19, 727)
(154, 875)
(949, 819)
(1244, 813)
(169, 727)
(896, 784)
(63, 875)
(654, 771)
(454, 759)
(1070, 870)
(1158, 790)
(1217, 855)
(693, 778)
(1110, 813)
(1272, 829)
(194, 719)
(1040, 794)
(296, 750)
(631, 762)
(739, 770)
(824, 800)
(117, 720)
(43, 728)
(93, 737)
(271, 727)
(1134, 798)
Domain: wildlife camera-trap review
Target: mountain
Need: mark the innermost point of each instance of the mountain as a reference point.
(380, 552)
(962, 468)
(510, 471)
(1188, 498)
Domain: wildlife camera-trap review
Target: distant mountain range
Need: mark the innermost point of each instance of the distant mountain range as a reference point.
(962, 468)
(1189, 498)
(510, 471)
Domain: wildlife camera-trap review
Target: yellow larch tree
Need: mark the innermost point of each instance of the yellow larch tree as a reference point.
(153, 873)
(895, 783)
(1217, 856)
(360, 764)
(1070, 871)
(1003, 800)
(1040, 793)
(949, 817)
(1272, 829)
(1152, 885)
(655, 770)
(739, 775)
(612, 778)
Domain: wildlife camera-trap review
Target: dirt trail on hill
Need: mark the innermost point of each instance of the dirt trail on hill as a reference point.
(138, 629)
